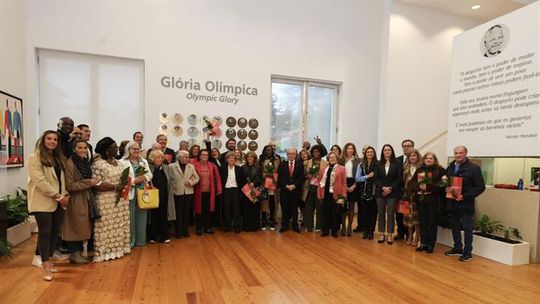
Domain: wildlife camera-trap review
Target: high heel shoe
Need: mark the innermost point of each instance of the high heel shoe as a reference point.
(381, 239)
(390, 240)
(365, 235)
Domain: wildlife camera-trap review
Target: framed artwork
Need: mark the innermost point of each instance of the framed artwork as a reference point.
(11, 131)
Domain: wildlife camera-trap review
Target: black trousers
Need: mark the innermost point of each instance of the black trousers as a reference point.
(183, 205)
(203, 220)
(270, 219)
(216, 217)
(49, 226)
(330, 215)
(159, 230)
(289, 208)
(232, 209)
(427, 219)
(401, 229)
(367, 214)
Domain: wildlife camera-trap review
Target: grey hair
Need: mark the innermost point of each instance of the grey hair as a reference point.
(130, 145)
(182, 153)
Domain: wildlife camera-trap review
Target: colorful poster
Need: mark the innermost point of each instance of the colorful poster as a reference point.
(11, 131)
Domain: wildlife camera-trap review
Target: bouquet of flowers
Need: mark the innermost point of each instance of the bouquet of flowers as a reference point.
(313, 174)
(125, 183)
(209, 126)
(424, 178)
(270, 176)
(444, 182)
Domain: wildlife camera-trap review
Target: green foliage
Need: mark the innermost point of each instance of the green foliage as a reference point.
(17, 208)
(486, 226)
(5, 248)
(511, 230)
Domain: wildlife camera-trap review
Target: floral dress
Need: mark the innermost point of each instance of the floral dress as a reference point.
(111, 231)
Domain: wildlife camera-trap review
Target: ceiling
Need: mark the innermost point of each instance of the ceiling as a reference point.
(490, 8)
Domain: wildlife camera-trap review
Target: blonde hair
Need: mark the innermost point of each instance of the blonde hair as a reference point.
(130, 145)
(407, 166)
(155, 154)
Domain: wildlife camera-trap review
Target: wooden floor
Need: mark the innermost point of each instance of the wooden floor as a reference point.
(268, 267)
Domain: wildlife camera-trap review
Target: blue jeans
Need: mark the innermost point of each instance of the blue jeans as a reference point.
(458, 221)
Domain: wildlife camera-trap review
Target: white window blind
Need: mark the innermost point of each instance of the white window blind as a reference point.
(103, 92)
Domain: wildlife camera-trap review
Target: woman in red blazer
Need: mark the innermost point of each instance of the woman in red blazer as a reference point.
(332, 191)
(205, 193)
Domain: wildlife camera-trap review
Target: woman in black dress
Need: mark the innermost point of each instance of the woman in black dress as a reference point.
(252, 210)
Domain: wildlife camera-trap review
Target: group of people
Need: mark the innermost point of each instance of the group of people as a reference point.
(79, 194)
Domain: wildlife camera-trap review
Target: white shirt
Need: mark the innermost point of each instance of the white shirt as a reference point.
(386, 168)
(349, 168)
(231, 178)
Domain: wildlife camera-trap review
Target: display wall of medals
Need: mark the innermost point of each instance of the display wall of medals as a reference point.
(194, 127)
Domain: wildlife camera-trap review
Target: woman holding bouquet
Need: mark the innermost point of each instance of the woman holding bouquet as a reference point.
(388, 178)
(410, 220)
(111, 230)
(252, 209)
(332, 191)
(367, 206)
(311, 183)
(140, 174)
(427, 191)
(351, 160)
(269, 162)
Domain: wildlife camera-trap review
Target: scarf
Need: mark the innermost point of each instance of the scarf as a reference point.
(83, 166)
(332, 177)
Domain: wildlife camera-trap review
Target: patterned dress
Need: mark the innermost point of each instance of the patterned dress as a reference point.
(111, 231)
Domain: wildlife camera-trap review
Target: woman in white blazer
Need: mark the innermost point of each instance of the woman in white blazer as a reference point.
(47, 195)
(184, 177)
(138, 217)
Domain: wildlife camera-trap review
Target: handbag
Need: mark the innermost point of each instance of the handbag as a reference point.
(148, 198)
(403, 206)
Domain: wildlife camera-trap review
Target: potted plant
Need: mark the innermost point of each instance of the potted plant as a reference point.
(5, 249)
(19, 228)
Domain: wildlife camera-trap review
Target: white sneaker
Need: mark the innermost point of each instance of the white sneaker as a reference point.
(61, 256)
(36, 261)
(47, 275)
(167, 241)
(263, 228)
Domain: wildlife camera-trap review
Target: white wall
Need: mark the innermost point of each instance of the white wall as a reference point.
(417, 85)
(13, 81)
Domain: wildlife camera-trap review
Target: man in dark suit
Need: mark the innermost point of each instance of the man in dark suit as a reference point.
(408, 146)
(462, 205)
(230, 145)
(65, 127)
(170, 157)
(290, 177)
(86, 132)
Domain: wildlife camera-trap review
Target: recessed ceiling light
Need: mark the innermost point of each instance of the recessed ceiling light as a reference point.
(475, 7)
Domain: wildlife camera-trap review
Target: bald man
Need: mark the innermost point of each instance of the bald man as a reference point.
(290, 178)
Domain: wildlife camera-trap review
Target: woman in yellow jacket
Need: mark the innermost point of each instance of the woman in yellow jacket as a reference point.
(47, 195)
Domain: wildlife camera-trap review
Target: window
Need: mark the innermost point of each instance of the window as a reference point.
(301, 110)
(104, 92)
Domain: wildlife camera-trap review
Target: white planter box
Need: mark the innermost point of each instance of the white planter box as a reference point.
(19, 233)
(509, 254)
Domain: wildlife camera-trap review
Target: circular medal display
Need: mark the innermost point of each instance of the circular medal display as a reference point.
(177, 131)
(253, 134)
(230, 133)
(253, 123)
(253, 146)
(242, 134)
(164, 118)
(242, 122)
(231, 121)
(192, 119)
(242, 145)
(178, 119)
(193, 132)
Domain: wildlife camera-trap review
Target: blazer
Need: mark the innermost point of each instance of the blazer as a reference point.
(147, 175)
(393, 179)
(473, 185)
(355, 163)
(178, 179)
(238, 172)
(307, 166)
(285, 178)
(340, 182)
(171, 211)
(43, 186)
(215, 188)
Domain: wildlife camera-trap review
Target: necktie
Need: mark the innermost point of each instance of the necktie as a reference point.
(291, 167)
